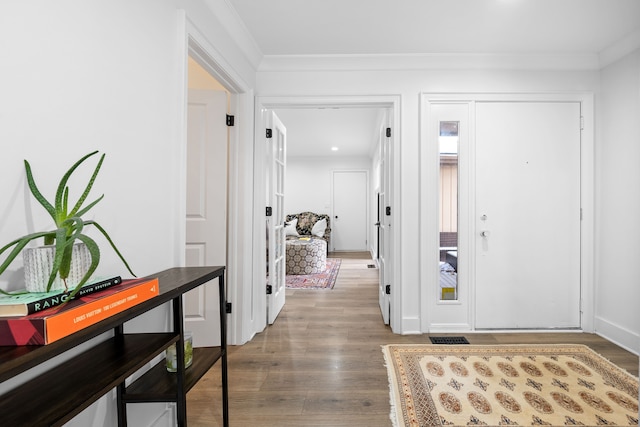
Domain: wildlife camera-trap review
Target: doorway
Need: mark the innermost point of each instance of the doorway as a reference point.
(206, 204)
(387, 103)
(239, 103)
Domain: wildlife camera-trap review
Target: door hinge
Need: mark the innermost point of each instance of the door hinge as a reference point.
(387, 289)
(269, 289)
(228, 307)
(230, 120)
(580, 214)
(388, 132)
(269, 133)
(581, 122)
(269, 211)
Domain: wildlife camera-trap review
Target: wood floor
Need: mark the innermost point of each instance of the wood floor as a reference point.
(321, 364)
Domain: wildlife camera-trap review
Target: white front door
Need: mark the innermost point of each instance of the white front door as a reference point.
(384, 225)
(206, 222)
(349, 224)
(527, 215)
(275, 167)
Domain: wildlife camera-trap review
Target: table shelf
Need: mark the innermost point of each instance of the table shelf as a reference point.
(58, 394)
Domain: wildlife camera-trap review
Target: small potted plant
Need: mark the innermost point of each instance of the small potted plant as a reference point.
(67, 245)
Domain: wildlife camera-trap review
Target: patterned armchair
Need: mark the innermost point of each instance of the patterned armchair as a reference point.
(305, 223)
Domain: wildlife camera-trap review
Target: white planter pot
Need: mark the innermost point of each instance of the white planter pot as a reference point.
(38, 263)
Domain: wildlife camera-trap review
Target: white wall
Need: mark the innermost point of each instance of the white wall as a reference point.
(409, 84)
(78, 76)
(618, 204)
(309, 179)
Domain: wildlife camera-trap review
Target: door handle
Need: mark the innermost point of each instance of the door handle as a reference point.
(484, 233)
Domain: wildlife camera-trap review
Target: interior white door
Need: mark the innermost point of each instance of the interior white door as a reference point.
(276, 168)
(349, 224)
(384, 226)
(206, 221)
(528, 215)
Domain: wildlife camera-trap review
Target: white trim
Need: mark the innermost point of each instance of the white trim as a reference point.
(210, 58)
(617, 334)
(620, 49)
(259, 244)
(430, 61)
(370, 101)
(195, 44)
(411, 326)
(587, 189)
(437, 328)
(237, 29)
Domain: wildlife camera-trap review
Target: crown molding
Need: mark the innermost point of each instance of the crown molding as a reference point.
(620, 49)
(237, 30)
(384, 62)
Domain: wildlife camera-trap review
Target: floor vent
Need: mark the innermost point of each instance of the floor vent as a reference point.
(371, 266)
(448, 340)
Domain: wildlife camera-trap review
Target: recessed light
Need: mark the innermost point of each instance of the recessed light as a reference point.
(334, 148)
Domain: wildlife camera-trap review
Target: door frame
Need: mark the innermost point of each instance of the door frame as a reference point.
(429, 220)
(195, 44)
(391, 102)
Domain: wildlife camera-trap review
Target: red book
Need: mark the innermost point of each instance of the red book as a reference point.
(47, 326)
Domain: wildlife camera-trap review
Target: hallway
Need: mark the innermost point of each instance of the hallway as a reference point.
(320, 364)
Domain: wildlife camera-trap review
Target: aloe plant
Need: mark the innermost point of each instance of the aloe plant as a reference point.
(70, 228)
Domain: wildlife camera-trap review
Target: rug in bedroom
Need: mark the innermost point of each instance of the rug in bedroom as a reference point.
(500, 385)
(324, 280)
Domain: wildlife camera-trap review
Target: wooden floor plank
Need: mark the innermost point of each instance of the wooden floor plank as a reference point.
(321, 364)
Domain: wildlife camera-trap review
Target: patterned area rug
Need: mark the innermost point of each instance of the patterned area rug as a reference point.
(324, 280)
(555, 385)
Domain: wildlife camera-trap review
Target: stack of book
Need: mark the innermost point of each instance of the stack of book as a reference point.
(42, 318)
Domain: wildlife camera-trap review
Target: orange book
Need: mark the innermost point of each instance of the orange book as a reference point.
(47, 326)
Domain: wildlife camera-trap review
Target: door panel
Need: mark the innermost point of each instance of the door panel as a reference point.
(206, 222)
(276, 167)
(528, 215)
(384, 227)
(349, 225)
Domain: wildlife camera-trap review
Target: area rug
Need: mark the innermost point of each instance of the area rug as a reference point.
(324, 280)
(505, 385)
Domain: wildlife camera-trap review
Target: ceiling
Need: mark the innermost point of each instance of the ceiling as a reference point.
(297, 27)
(413, 27)
(313, 131)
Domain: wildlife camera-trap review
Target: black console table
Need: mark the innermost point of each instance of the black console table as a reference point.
(55, 396)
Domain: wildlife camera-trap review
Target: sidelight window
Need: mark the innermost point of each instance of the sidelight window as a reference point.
(448, 142)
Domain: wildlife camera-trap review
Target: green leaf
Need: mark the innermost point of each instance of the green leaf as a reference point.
(87, 189)
(65, 236)
(19, 245)
(36, 192)
(104, 233)
(86, 208)
(94, 251)
(63, 185)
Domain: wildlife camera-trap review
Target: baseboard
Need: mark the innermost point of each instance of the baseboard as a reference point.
(410, 326)
(442, 328)
(618, 335)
